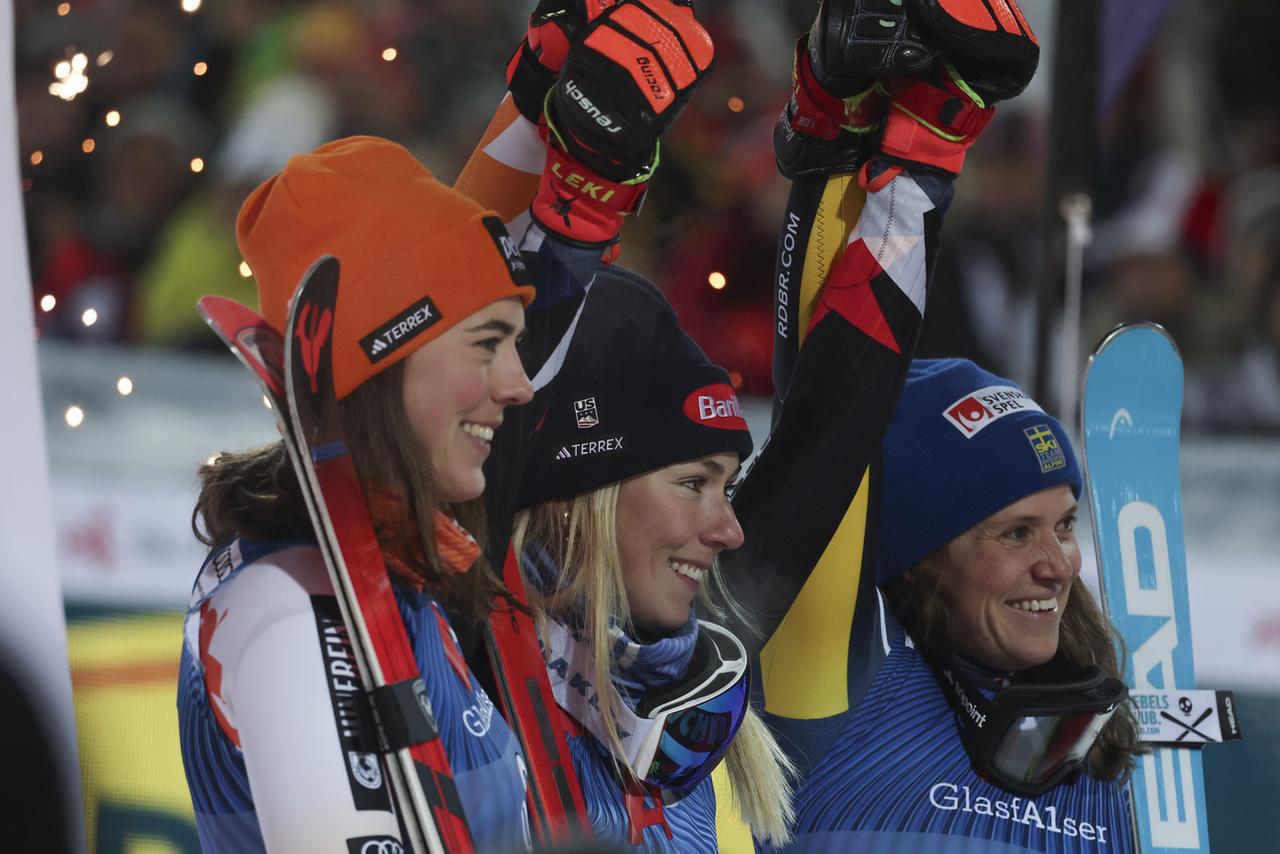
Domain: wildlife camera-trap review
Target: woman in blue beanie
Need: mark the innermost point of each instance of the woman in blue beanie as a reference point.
(937, 674)
(983, 701)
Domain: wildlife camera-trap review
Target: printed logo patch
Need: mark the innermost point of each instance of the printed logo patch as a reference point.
(612, 445)
(974, 412)
(365, 769)
(374, 845)
(400, 330)
(1046, 446)
(584, 412)
(715, 405)
(508, 250)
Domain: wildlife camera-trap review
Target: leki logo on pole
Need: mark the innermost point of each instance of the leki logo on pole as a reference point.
(312, 332)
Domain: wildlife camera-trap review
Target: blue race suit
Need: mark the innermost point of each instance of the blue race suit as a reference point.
(274, 752)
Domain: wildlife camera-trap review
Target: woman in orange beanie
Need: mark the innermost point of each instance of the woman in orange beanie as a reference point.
(431, 305)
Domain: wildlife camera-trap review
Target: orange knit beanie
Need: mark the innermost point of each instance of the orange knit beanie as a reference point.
(416, 255)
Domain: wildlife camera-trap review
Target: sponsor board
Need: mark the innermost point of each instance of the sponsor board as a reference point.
(124, 673)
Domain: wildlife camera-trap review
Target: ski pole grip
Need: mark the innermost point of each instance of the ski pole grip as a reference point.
(402, 714)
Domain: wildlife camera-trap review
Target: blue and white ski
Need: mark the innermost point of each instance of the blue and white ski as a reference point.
(1131, 413)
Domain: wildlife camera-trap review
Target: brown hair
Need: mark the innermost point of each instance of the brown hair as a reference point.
(255, 494)
(1085, 637)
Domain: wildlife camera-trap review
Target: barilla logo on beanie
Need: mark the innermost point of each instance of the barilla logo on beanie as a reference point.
(400, 330)
(508, 250)
(715, 405)
(978, 410)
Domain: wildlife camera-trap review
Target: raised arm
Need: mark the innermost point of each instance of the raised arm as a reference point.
(567, 159)
(887, 98)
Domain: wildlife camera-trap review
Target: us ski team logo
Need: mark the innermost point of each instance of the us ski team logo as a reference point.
(584, 412)
(1046, 446)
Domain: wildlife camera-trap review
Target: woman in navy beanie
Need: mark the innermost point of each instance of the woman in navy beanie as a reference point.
(988, 704)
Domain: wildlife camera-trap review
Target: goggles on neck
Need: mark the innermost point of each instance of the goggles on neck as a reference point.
(1030, 736)
(675, 737)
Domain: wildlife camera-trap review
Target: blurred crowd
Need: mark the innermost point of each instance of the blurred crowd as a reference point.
(144, 123)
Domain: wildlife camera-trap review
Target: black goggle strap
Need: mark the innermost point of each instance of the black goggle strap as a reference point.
(1030, 736)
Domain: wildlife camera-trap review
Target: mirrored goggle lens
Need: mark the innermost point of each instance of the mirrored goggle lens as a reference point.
(694, 739)
(1037, 746)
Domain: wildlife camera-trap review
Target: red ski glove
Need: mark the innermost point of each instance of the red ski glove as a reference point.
(622, 84)
(991, 55)
(944, 63)
(553, 26)
(837, 103)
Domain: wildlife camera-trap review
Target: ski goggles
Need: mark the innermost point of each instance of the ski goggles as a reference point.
(675, 737)
(1030, 736)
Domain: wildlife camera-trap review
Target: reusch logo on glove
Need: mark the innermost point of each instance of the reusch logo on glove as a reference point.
(400, 330)
(715, 405)
(974, 412)
(602, 118)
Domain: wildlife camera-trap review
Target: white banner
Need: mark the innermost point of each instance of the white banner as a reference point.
(33, 637)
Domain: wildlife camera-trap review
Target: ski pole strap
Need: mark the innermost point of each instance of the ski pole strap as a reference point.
(402, 714)
(1185, 718)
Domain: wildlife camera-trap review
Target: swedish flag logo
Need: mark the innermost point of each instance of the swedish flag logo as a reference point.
(1045, 444)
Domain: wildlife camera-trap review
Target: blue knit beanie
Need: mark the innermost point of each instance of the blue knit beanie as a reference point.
(963, 445)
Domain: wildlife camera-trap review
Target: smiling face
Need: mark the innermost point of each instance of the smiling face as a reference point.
(1006, 580)
(456, 387)
(671, 524)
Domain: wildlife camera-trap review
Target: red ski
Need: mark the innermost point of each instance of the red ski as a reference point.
(556, 803)
(420, 776)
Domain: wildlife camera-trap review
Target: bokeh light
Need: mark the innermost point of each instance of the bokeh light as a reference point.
(69, 77)
(113, 118)
(37, 157)
(244, 269)
(88, 145)
(74, 416)
(200, 68)
(197, 164)
(717, 281)
(89, 317)
(736, 104)
(389, 54)
(48, 302)
(124, 385)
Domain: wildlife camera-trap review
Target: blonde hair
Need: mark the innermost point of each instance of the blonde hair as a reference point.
(580, 534)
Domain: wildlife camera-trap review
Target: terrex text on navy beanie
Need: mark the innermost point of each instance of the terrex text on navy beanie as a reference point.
(963, 445)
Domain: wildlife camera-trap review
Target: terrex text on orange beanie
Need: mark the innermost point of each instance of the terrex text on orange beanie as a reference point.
(416, 255)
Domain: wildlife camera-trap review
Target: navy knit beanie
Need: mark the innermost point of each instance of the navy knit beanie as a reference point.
(963, 445)
(634, 394)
